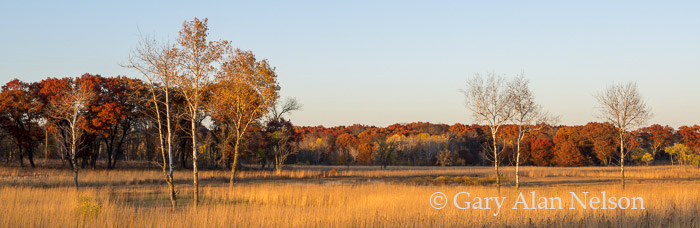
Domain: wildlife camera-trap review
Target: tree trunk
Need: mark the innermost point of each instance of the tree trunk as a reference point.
(278, 165)
(169, 165)
(110, 152)
(74, 164)
(95, 156)
(30, 156)
(671, 160)
(173, 197)
(517, 164)
(181, 150)
(46, 144)
(235, 163)
(194, 159)
(75, 175)
(117, 148)
(495, 162)
(21, 156)
(60, 148)
(110, 156)
(84, 161)
(622, 159)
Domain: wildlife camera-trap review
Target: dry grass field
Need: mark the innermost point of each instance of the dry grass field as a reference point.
(358, 197)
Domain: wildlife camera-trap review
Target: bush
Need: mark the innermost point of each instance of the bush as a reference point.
(87, 207)
(637, 155)
(647, 158)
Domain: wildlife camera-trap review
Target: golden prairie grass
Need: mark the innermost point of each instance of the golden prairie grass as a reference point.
(360, 197)
(63, 177)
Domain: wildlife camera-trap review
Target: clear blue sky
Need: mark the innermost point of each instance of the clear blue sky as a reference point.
(388, 62)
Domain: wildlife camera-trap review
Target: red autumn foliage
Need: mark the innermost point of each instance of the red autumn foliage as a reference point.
(540, 150)
(605, 139)
(366, 153)
(690, 136)
(567, 154)
(20, 112)
(656, 136)
(568, 143)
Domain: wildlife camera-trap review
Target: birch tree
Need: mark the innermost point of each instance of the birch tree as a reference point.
(490, 103)
(527, 115)
(157, 63)
(623, 106)
(69, 109)
(197, 59)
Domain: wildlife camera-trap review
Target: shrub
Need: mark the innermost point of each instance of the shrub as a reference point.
(647, 158)
(87, 207)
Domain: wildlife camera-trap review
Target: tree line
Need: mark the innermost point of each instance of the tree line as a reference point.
(417, 143)
(421, 143)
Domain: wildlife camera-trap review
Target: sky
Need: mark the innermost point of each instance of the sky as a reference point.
(384, 62)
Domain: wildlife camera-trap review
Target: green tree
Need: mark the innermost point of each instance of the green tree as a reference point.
(647, 158)
(679, 151)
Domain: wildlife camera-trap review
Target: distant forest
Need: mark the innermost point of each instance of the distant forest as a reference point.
(119, 124)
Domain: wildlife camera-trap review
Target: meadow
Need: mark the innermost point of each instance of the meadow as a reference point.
(356, 196)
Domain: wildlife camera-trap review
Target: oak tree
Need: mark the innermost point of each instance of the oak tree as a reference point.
(657, 137)
(20, 114)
